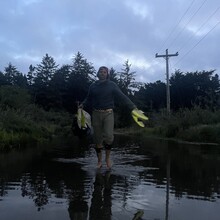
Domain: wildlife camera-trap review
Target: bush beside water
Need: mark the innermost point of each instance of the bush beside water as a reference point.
(195, 125)
(22, 122)
(33, 124)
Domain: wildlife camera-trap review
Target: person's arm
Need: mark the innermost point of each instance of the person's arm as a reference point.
(136, 114)
(119, 94)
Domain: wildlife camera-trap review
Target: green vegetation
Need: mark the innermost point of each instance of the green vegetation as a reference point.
(196, 125)
(192, 125)
(32, 124)
(39, 105)
(22, 122)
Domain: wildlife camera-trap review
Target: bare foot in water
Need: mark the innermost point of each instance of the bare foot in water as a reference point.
(99, 165)
(108, 163)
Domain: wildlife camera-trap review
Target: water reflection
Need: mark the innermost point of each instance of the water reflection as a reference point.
(37, 189)
(152, 178)
(78, 210)
(101, 197)
(167, 187)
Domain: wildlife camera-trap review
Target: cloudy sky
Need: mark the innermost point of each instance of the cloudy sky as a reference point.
(109, 32)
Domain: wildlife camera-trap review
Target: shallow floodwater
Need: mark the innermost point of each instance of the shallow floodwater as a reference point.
(150, 179)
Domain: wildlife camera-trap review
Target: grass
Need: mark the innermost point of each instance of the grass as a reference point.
(20, 126)
(195, 125)
(191, 125)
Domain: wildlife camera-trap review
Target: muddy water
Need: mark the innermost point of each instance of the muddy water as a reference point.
(150, 179)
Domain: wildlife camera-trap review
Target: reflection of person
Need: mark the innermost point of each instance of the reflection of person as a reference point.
(101, 198)
(78, 210)
(101, 98)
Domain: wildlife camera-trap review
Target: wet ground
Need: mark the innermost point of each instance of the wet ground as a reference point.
(150, 179)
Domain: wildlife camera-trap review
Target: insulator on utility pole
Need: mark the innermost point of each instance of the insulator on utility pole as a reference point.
(166, 56)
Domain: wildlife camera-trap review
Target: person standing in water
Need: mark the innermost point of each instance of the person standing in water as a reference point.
(101, 97)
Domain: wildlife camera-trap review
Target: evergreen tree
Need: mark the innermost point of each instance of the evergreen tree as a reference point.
(42, 88)
(21, 81)
(152, 96)
(82, 69)
(81, 76)
(30, 75)
(113, 75)
(45, 70)
(14, 77)
(10, 73)
(126, 82)
(127, 79)
(194, 88)
(59, 83)
(3, 80)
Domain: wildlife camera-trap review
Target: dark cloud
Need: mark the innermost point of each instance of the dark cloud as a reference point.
(108, 32)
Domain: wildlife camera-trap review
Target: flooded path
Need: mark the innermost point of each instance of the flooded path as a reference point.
(150, 179)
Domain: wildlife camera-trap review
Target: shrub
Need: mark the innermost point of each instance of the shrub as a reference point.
(190, 124)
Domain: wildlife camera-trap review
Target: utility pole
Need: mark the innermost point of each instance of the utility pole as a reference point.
(166, 56)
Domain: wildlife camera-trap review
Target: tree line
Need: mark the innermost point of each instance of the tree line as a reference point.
(60, 87)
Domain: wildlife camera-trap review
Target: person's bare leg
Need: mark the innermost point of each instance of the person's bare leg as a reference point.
(107, 158)
(99, 155)
(107, 155)
(108, 131)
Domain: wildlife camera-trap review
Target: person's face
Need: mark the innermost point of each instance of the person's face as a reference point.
(103, 74)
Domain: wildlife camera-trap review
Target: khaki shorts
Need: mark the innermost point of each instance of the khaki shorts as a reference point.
(103, 126)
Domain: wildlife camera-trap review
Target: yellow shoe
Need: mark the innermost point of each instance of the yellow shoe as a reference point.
(138, 116)
(138, 215)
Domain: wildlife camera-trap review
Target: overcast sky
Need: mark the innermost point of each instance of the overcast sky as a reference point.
(109, 32)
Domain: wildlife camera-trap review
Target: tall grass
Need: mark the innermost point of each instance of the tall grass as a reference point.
(21, 121)
(197, 125)
(20, 126)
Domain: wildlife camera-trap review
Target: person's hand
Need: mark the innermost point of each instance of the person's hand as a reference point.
(139, 117)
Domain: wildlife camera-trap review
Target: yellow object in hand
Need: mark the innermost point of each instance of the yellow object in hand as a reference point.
(139, 117)
(83, 119)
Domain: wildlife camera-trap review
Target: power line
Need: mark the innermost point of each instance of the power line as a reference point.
(197, 43)
(176, 25)
(187, 23)
(183, 45)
